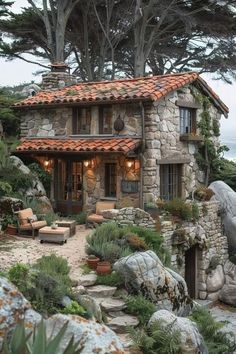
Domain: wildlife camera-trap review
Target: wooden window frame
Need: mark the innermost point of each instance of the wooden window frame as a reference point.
(101, 120)
(171, 181)
(110, 179)
(77, 118)
(187, 114)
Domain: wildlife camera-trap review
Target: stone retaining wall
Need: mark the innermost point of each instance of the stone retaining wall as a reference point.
(206, 235)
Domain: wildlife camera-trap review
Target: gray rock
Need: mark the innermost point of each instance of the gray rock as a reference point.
(92, 337)
(120, 324)
(191, 340)
(88, 279)
(66, 301)
(101, 291)
(144, 272)
(228, 294)
(12, 307)
(80, 289)
(92, 306)
(230, 271)
(215, 279)
(112, 305)
(227, 199)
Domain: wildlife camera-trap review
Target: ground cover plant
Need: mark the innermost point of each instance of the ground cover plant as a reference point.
(44, 284)
(111, 242)
(181, 209)
(140, 306)
(217, 341)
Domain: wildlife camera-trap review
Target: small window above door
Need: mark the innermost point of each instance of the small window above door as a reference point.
(105, 120)
(81, 121)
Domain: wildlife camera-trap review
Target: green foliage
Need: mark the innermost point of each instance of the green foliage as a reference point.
(22, 343)
(232, 258)
(113, 279)
(45, 284)
(42, 175)
(157, 338)
(217, 341)
(208, 156)
(22, 277)
(8, 219)
(153, 240)
(74, 309)
(178, 207)
(80, 218)
(51, 217)
(195, 212)
(141, 307)
(135, 242)
(9, 118)
(5, 188)
(226, 173)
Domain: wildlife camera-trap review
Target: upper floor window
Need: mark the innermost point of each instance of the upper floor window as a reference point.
(81, 121)
(105, 120)
(187, 120)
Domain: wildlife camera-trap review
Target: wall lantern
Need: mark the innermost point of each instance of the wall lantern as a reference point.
(89, 163)
(86, 163)
(130, 163)
(48, 164)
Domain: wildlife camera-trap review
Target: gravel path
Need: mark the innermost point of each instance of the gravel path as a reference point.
(27, 250)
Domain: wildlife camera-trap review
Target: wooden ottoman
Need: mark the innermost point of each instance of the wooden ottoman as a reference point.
(58, 235)
(71, 224)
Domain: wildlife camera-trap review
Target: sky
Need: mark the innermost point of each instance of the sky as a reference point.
(17, 72)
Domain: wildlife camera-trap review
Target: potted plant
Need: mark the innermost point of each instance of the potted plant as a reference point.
(92, 261)
(103, 268)
(10, 224)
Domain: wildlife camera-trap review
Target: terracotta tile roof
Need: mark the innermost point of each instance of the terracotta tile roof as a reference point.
(122, 145)
(144, 88)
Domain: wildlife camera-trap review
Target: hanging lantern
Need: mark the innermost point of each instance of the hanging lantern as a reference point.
(119, 124)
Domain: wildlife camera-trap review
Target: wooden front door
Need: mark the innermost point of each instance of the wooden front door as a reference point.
(191, 271)
(68, 186)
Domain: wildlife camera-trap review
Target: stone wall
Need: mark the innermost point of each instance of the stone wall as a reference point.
(206, 234)
(163, 145)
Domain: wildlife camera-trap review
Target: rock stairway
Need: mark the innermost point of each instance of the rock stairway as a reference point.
(117, 320)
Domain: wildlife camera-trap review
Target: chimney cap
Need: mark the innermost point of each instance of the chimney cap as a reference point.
(60, 66)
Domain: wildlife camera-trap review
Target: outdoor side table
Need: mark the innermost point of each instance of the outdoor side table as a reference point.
(71, 224)
(58, 235)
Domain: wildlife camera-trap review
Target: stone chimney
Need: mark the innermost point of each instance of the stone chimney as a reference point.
(58, 77)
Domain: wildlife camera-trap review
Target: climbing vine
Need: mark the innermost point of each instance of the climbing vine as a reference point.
(208, 156)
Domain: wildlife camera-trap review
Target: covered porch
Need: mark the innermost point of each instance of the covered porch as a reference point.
(84, 171)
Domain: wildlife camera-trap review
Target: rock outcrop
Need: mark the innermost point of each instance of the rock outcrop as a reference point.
(227, 199)
(92, 337)
(228, 292)
(190, 338)
(145, 273)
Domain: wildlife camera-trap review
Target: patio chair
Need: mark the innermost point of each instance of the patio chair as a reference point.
(28, 222)
(97, 217)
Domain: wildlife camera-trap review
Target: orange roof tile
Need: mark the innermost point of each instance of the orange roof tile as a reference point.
(122, 145)
(144, 88)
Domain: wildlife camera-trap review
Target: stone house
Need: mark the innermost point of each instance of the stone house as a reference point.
(129, 140)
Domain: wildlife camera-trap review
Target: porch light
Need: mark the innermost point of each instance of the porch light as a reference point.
(86, 163)
(130, 163)
(46, 163)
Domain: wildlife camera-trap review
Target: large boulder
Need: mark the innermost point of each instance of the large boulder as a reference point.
(14, 307)
(190, 338)
(92, 337)
(144, 272)
(215, 279)
(228, 292)
(227, 199)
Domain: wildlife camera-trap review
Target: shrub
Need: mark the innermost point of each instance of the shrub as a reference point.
(21, 276)
(110, 252)
(217, 341)
(74, 309)
(20, 342)
(5, 188)
(80, 218)
(42, 175)
(203, 193)
(135, 242)
(157, 338)
(51, 217)
(178, 207)
(140, 307)
(113, 279)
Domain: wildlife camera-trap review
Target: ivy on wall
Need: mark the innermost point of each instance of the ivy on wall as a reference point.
(208, 156)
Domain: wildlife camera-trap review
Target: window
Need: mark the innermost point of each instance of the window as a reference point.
(170, 181)
(187, 120)
(81, 121)
(105, 120)
(110, 180)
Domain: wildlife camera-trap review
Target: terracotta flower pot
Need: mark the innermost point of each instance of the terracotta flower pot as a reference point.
(93, 262)
(104, 268)
(11, 230)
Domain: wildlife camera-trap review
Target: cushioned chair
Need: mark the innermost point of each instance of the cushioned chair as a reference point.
(27, 222)
(97, 218)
